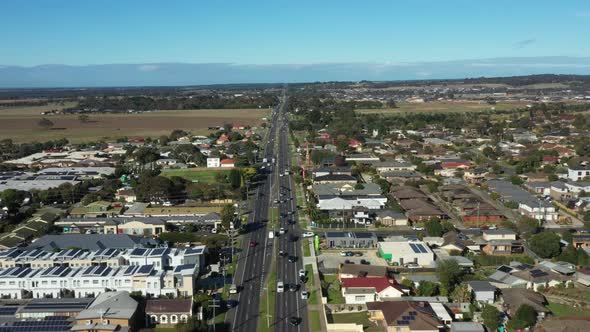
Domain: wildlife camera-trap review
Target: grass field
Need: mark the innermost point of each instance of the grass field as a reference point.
(445, 106)
(306, 251)
(267, 300)
(354, 318)
(314, 320)
(560, 310)
(21, 123)
(332, 292)
(195, 174)
(310, 285)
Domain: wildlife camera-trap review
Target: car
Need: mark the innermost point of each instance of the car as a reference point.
(280, 287)
(282, 230)
(412, 266)
(303, 279)
(358, 254)
(294, 321)
(253, 243)
(291, 222)
(493, 227)
(349, 253)
(282, 253)
(343, 254)
(417, 228)
(293, 238)
(302, 273)
(307, 234)
(348, 262)
(292, 259)
(276, 201)
(365, 262)
(233, 289)
(293, 287)
(304, 295)
(230, 304)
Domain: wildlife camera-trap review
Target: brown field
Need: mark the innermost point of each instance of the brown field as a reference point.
(21, 124)
(446, 106)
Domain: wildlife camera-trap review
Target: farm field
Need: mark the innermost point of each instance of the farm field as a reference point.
(445, 106)
(195, 174)
(21, 123)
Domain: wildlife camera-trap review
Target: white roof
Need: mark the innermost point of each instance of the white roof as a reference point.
(406, 247)
(440, 311)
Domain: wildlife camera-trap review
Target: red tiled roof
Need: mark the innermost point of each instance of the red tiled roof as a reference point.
(453, 164)
(227, 161)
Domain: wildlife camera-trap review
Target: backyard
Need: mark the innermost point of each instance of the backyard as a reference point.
(354, 318)
(195, 174)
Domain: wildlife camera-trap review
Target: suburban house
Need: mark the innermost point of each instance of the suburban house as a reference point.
(578, 173)
(528, 204)
(515, 297)
(110, 311)
(404, 251)
(581, 240)
(364, 271)
(126, 195)
(167, 312)
(213, 162)
(401, 176)
(393, 165)
(466, 327)
(229, 163)
(336, 170)
(363, 290)
(335, 178)
(336, 196)
(388, 217)
(499, 234)
(482, 291)
(407, 316)
(502, 247)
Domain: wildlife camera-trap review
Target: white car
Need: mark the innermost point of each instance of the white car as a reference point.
(280, 287)
(304, 295)
(282, 231)
(307, 234)
(412, 266)
(302, 273)
(416, 228)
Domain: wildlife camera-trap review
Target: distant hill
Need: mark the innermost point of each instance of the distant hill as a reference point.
(514, 71)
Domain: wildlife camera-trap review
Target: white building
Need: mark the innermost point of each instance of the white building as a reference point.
(578, 173)
(213, 162)
(406, 251)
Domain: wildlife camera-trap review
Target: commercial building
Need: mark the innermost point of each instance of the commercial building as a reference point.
(406, 251)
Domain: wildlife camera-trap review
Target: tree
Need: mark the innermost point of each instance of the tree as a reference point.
(525, 316)
(188, 153)
(449, 274)
(545, 244)
(83, 118)
(461, 294)
(227, 215)
(193, 324)
(491, 317)
(235, 178)
(527, 226)
(391, 103)
(359, 186)
(154, 188)
(427, 288)
(45, 123)
(433, 227)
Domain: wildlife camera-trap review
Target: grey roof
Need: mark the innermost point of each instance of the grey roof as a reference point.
(110, 305)
(335, 177)
(338, 189)
(466, 327)
(510, 192)
(390, 213)
(461, 260)
(499, 232)
(90, 241)
(351, 235)
(481, 286)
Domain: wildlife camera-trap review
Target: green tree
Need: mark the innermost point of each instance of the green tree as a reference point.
(527, 226)
(525, 316)
(433, 227)
(461, 294)
(235, 178)
(545, 244)
(193, 324)
(427, 288)
(449, 274)
(227, 215)
(491, 317)
(188, 153)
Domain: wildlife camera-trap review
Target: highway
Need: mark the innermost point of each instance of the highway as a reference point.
(288, 305)
(254, 261)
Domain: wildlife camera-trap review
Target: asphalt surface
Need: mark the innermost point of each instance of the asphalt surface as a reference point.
(288, 305)
(254, 261)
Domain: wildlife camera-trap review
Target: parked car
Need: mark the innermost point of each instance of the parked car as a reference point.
(302, 273)
(230, 304)
(304, 295)
(233, 289)
(280, 287)
(358, 254)
(417, 228)
(365, 262)
(343, 254)
(308, 234)
(412, 266)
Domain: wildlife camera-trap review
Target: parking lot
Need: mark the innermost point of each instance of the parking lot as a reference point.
(332, 259)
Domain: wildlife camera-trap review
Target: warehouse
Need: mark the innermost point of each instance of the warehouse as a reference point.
(406, 251)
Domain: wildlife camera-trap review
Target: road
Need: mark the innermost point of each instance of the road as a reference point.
(254, 261)
(288, 305)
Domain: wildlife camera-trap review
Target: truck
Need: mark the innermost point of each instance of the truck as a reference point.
(271, 234)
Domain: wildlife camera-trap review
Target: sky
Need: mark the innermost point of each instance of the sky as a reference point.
(301, 32)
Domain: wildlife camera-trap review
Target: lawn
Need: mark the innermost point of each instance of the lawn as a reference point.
(273, 215)
(267, 300)
(310, 285)
(354, 318)
(314, 320)
(306, 252)
(195, 174)
(564, 310)
(331, 289)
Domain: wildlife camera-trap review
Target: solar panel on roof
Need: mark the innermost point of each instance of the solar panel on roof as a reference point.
(8, 311)
(538, 273)
(421, 248)
(89, 270)
(157, 251)
(130, 270)
(145, 269)
(414, 248)
(99, 270)
(138, 252)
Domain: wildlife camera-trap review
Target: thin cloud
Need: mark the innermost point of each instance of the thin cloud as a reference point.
(148, 67)
(583, 14)
(523, 43)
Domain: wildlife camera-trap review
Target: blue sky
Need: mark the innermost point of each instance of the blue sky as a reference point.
(288, 32)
